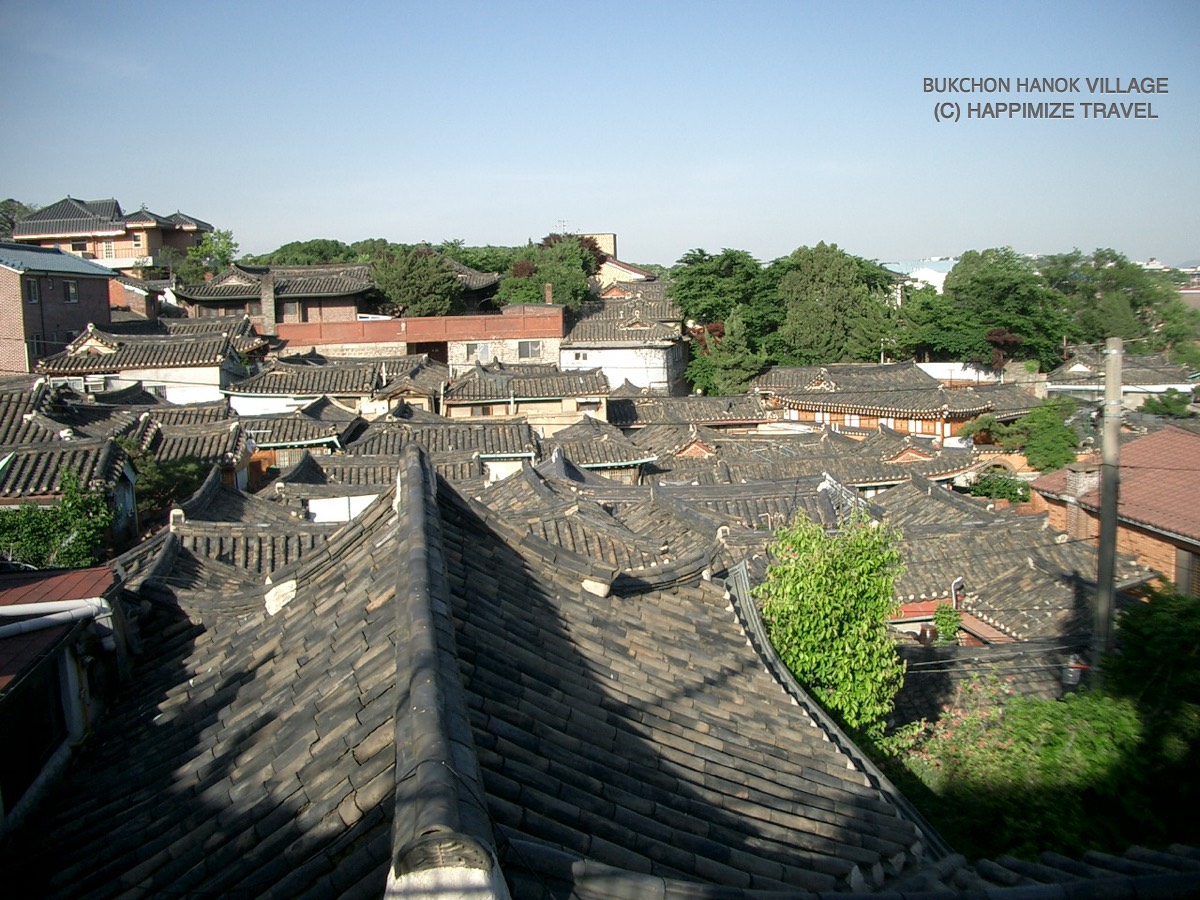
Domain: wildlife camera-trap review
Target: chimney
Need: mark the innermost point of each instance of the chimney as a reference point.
(267, 296)
(548, 292)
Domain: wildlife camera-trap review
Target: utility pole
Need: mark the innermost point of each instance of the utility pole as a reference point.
(1110, 475)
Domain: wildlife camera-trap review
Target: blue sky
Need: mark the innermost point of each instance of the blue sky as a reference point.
(762, 126)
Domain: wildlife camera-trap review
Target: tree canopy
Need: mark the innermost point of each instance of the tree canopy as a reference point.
(215, 252)
(67, 535)
(563, 261)
(417, 281)
(826, 601)
(10, 211)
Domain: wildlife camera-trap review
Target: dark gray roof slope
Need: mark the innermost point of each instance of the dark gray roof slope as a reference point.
(321, 422)
(867, 388)
(509, 438)
(642, 410)
(137, 352)
(37, 470)
(1085, 368)
(245, 282)
(285, 379)
(592, 443)
(499, 381)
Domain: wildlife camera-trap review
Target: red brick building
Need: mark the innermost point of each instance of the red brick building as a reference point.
(1158, 517)
(47, 298)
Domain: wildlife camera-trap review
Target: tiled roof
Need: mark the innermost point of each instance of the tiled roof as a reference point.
(282, 379)
(1006, 401)
(867, 388)
(320, 422)
(71, 216)
(434, 694)
(500, 381)
(595, 444)
(703, 455)
(95, 351)
(1017, 575)
(496, 439)
(650, 295)
(245, 282)
(27, 258)
(222, 442)
(598, 323)
(1086, 368)
(37, 470)
(641, 410)
(472, 279)
(21, 418)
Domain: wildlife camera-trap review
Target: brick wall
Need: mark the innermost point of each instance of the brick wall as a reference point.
(12, 324)
(58, 315)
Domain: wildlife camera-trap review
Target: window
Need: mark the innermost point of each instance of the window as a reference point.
(70, 292)
(78, 246)
(32, 294)
(109, 252)
(137, 239)
(529, 349)
(254, 307)
(482, 352)
(37, 347)
(580, 356)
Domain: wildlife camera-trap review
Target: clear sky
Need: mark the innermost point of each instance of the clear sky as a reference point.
(762, 126)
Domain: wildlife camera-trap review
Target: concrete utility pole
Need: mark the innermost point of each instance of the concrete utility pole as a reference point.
(1110, 476)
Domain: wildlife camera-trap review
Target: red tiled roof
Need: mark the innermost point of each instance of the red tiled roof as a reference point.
(1160, 480)
(21, 651)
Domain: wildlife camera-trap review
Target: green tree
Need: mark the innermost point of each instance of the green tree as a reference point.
(1042, 434)
(826, 601)
(562, 261)
(216, 251)
(725, 365)
(1173, 404)
(481, 259)
(67, 535)
(417, 282)
(10, 212)
(307, 253)
(708, 288)
(1000, 308)
(836, 307)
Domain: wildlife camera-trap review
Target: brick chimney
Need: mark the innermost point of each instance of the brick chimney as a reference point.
(1082, 477)
(548, 292)
(267, 295)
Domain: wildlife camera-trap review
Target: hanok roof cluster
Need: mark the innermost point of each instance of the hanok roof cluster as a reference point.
(1085, 368)
(98, 218)
(478, 686)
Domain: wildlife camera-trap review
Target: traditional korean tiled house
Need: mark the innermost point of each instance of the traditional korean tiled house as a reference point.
(692, 453)
(34, 473)
(179, 368)
(497, 448)
(600, 447)
(1082, 377)
(286, 384)
(546, 396)
(625, 340)
(280, 440)
(1158, 518)
(274, 295)
(631, 408)
(47, 297)
(99, 229)
(850, 396)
